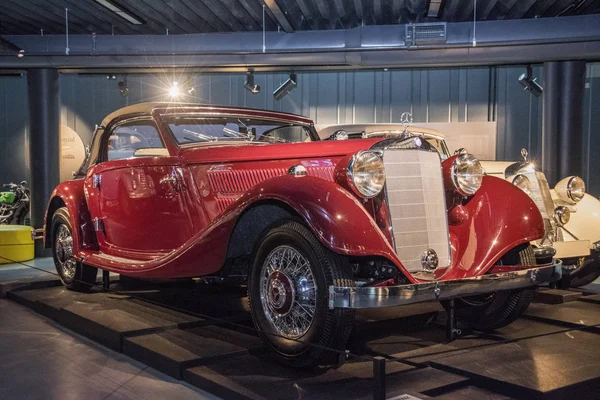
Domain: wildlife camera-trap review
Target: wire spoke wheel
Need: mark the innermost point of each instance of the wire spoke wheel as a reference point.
(288, 292)
(64, 251)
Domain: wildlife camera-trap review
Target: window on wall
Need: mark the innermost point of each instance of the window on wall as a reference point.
(134, 139)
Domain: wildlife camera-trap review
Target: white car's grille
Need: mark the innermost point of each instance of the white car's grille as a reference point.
(540, 192)
(417, 204)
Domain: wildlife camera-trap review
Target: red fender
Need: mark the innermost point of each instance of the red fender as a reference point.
(499, 217)
(72, 195)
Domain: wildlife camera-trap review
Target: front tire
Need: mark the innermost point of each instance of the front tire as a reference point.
(73, 274)
(498, 309)
(288, 294)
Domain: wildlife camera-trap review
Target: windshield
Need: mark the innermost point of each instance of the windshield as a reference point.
(188, 130)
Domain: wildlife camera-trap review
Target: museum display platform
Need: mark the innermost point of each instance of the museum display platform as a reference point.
(204, 335)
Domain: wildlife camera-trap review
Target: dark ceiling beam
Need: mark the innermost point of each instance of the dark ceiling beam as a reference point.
(7, 46)
(278, 15)
(498, 42)
(310, 60)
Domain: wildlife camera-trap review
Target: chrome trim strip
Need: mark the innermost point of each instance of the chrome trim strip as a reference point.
(388, 296)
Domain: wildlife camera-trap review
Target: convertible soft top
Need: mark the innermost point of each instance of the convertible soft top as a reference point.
(147, 108)
(326, 132)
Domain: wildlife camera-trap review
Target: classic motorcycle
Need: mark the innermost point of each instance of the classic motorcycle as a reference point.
(14, 204)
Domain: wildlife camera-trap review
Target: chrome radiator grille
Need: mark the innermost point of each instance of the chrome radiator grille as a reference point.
(540, 192)
(417, 204)
(541, 196)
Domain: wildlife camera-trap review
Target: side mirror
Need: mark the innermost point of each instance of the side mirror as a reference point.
(23, 183)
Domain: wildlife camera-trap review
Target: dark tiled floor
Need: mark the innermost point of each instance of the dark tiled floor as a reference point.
(39, 360)
(542, 353)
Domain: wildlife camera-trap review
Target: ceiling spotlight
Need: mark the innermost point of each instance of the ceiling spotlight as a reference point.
(530, 83)
(285, 87)
(191, 91)
(249, 84)
(174, 89)
(123, 89)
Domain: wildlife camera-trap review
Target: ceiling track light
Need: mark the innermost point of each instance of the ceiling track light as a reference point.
(530, 84)
(123, 88)
(285, 87)
(5, 45)
(249, 84)
(120, 12)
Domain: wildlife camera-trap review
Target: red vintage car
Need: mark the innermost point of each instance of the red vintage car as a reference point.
(318, 228)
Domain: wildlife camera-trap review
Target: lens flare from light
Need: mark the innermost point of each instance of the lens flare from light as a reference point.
(174, 90)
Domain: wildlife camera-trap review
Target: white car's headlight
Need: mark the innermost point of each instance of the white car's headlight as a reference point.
(571, 189)
(523, 183)
(366, 173)
(467, 174)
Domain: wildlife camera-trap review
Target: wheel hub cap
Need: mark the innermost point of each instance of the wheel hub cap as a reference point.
(288, 292)
(63, 248)
(280, 295)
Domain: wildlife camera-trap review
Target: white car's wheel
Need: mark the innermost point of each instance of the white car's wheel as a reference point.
(495, 310)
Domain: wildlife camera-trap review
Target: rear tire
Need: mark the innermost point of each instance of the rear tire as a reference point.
(288, 295)
(498, 309)
(73, 274)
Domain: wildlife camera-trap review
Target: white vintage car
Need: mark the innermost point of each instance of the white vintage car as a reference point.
(572, 216)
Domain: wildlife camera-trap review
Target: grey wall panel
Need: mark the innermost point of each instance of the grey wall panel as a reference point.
(402, 94)
(592, 130)
(364, 96)
(477, 94)
(519, 115)
(434, 95)
(327, 96)
(14, 147)
(439, 95)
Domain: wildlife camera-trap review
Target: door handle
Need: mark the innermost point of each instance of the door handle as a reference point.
(173, 180)
(96, 180)
(169, 179)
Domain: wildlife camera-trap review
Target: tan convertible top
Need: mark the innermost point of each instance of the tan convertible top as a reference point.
(326, 132)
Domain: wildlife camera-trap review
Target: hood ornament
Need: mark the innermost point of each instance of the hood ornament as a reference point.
(406, 119)
(524, 154)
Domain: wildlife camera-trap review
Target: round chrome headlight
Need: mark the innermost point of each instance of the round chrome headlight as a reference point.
(467, 174)
(570, 189)
(562, 215)
(576, 188)
(366, 173)
(523, 183)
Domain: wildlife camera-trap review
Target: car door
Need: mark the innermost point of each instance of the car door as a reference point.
(136, 193)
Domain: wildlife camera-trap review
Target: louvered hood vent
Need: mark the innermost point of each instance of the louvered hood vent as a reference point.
(423, 34)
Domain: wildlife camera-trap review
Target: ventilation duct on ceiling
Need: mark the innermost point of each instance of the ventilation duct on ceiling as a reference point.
(427, 33)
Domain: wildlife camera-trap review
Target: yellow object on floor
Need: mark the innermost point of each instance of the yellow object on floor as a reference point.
(16, 243)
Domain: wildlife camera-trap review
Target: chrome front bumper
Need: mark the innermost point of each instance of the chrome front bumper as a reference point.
(387, 296)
